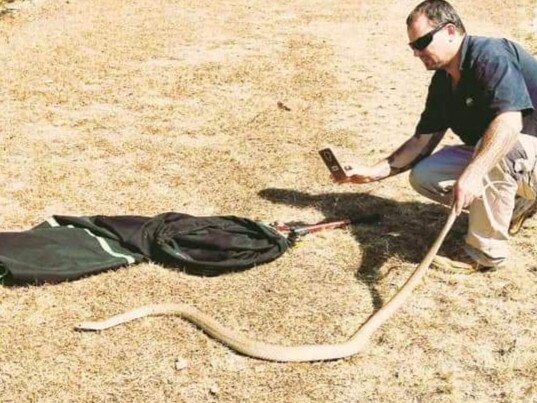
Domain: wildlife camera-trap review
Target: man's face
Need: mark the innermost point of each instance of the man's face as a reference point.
(437, 53)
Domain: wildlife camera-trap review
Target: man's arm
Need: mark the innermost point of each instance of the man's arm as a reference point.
(405, 157)
(499, 138)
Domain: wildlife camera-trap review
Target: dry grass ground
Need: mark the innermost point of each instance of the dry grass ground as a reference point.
(146, 106)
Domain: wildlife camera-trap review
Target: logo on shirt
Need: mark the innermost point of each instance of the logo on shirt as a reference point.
(470, 102)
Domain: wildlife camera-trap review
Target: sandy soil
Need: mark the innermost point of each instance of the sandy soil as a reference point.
(141, 107)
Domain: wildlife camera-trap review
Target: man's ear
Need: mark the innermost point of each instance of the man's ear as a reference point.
(452, 30)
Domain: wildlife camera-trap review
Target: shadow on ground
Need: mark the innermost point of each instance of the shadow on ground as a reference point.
(406, 230)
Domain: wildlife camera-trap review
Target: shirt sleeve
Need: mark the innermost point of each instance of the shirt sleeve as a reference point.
(503, 84)
(433, 118)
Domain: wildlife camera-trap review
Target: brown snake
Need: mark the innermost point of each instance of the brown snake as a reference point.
(273, 352)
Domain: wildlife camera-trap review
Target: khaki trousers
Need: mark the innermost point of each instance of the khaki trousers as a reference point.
(508, 190)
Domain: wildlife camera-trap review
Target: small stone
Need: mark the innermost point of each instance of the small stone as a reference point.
(181, 364)
(215, 390)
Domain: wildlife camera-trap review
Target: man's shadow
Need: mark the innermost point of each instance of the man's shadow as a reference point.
(406, 229)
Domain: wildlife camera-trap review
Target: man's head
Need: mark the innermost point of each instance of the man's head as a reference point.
(435, 32)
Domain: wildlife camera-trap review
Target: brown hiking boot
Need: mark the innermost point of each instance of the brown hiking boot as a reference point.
(465, 265)
(516, 223)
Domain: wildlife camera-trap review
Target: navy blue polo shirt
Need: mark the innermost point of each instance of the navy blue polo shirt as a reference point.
(497, 76)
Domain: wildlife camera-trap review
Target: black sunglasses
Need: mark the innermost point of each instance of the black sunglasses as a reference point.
(423, 41)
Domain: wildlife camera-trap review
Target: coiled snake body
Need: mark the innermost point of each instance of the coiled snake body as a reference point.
(273, 352)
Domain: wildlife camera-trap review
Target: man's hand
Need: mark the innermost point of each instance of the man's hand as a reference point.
(499, 138)
(363, 174)
(468, 187)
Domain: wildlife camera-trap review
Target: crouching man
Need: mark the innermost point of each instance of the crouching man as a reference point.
(485, 91)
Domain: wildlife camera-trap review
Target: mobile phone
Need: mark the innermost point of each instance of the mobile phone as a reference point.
(333, 164)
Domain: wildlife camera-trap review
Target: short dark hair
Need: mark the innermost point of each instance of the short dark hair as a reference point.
(438, 11)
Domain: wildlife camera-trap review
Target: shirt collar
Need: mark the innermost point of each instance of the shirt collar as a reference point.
(464, 48)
